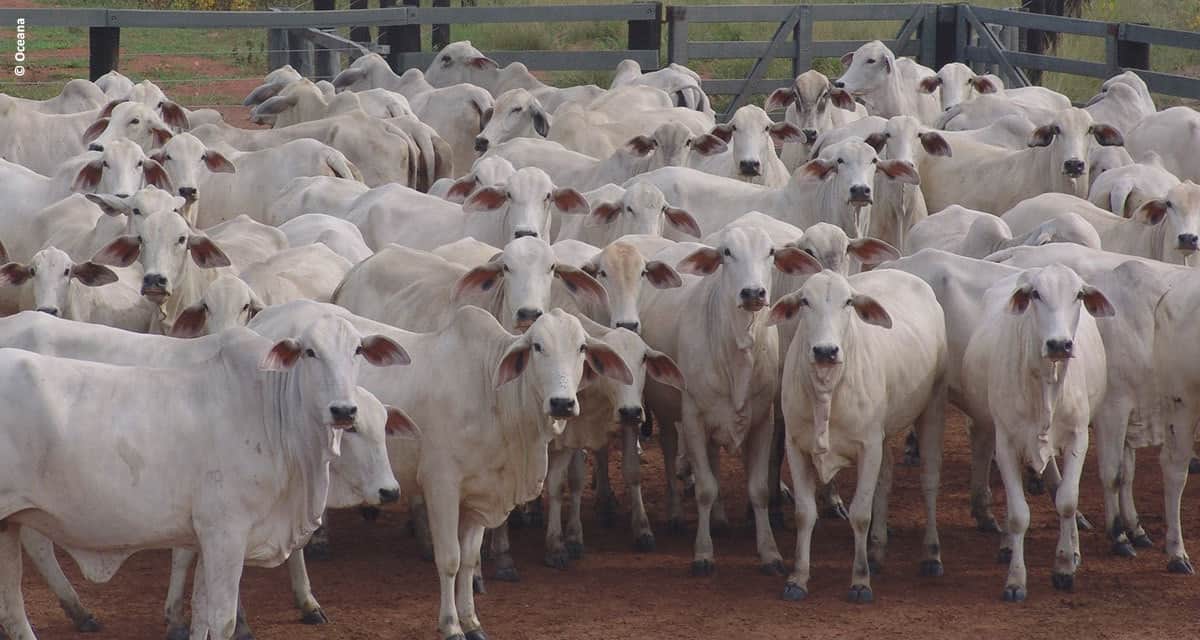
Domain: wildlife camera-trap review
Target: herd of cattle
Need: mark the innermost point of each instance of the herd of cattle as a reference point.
(562, 269)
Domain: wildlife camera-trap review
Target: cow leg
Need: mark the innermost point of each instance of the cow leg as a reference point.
(1052, 478)
(696, 444)
(720, 521)
(199, 604)
(670, 441)
(631, 469)
(556, 552)
(983, 449)
(775, 468)
(420, 520)
(1018, 519)
(758, 460)
(470, 539)
(1174, 458)
(575, 479)
(877, 533)
(177, 624)
(1067, 556)
(506, 569)
(829, 501)
(12, 603)
(1110, 427)
(306, 602)
(931, 428)
(869, 466)
(605, 503)
(443, 502)
(804, 487)
(223, 553)
(41, 551)
(1137, 534)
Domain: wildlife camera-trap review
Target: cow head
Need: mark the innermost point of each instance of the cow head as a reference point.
(526, 201)
(363, 474)
(1179, 213)
(517, 114)
(641, 210)
(811, 99)
(752, 138)
(133, 120)
(621, 270)
(227, 302)
(184, 158)
(870, 68)
(1067, 138)
(830, 245)
(643, 363)
(851, 166)
(120, 168)
(744, 256)
(52, 271)
(460, 62)
(488, 171)
(1052, 297)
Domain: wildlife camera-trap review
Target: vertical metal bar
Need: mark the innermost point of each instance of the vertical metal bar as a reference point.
(104, 50)
(277, 44)
(439, 34)
(300, 54)
(802, 36)
(760, 66)
(324, 60)
(928, 32)
(391, 37)
(360, 34)
(677, 35)
(962, 33)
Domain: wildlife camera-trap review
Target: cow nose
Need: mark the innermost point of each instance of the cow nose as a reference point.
(839, 84)
(525, 233)
(825, 353)
(154, 281)
(481, 144)
(630, 415)
(810, 135)
(1060, 347)
(1073, 167)
(860, 192)
(188, 192)
(1189, 241)
(528, 315)
(562, 407)
(749, 167)
(343, 412)
(50, 310)
(754, 293)
(389, 495)
(632, 326)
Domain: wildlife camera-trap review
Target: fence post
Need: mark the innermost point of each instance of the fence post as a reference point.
(104, 50)
(391, 37)
(277, 45)
(324, 61)
(1130, 54)
(802, 59)
(360, 34)
(945, 49)
(677, 35)
(646, 34)
(439, 34)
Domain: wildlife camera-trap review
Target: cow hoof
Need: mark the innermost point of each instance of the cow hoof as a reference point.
(1194, 466)
(1063, 581)
(860, 594)
(370, 514)
(1123, 550)
(675, 526)
(1014, 593)
(88, 624)
(703, 568)
(1181, 566)
(1082, 522)
(316, 616)
(1142, 541)
(477, 585)
(874, 566)
(987, 525)
(178, 633)
(1004, 556)
(557, 559)
(575, 550)
(477, 634)
(932, 568)
(507, 574)
(835, 512)
(793, 592)
(644, 543)
(317, 551)
(774, 568)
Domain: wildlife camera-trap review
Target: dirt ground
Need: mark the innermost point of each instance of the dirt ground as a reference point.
(375, 586)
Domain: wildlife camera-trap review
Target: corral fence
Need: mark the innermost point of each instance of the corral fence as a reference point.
(994, 40)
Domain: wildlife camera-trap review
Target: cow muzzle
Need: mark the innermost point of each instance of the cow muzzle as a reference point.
(826, 355)
(526, 318)
(50, 310)
(188, 193)
(752, 299)
(563, 408)
(810, 135)
(750, 168)
(630, 416)
(154, 288)
(387, 496)
(860, 195)
(1058, 349)
(481, 145)
(342, 416)
(1074, 168)
(1188, 243)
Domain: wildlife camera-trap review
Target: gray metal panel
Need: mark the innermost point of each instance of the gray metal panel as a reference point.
(55, 17)
(564, 13)
(778, 13)
(551, 60)
(1041, 21)
(1165, 37)
(256, 19)
(1045, 63)
(731, 87)
(337, 43)
(820, 48)
(828, 12)
(1171, 84)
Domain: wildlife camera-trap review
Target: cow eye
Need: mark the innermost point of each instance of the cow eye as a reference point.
(1035, 295)
(689, 142)
(583, 348)
(840, 161)
(167, 158)
(66, 273)
(357, 350)
(135, 121)
(537, 346)
(630, 209)
(309, 353)
(849, 302)
(505, 268)
(140, 163)
(182, 239)
(32, 270)
(104, 164)
(603, 273)
(728, 254)
(870, 60)
(516, 109)
(771, 252)
(804, 302)
(137, 212)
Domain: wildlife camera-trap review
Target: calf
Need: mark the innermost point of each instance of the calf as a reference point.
(887, 85)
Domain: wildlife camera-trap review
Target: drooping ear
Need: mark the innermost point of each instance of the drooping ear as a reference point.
(398, 424)
(709, 145)
(173, 115)
(217, 162)
(108, 108)
(109, 204)
(477, 280)
(161, 135)
(818, 169)
(205, 253)
(121, 252)
(568, 200)
(95, 129)
(283, 356)
(1152, 212)
(154, 174)
(1096, 303)
(682, 220)
(899, 170)
(513, 363)
(1019, 302)
(935, 144)
(348, 77)
(264, 92)
(1106, 135)
(590, 267)
(461, 189)
(191, 322)
(847, 59)
(275, 106)
(541, 120)
(779, 99)
(485, 117)
(877, 141)
(841, 99)
(660, 367)
(641, 145)
(870, 251)
(3, 253)
(89, 175)
(606, 362)
(929, 84)
(722, 131)
(92, 274)
(983, 84)
(784, 309)
(382, 351)
(1043, 135)
(604, 213)
(701, 262)
(870, 311)
(14, 274)
(783, 132)
(483, 62)
(793, 261)
(485, 200)
(581, 285)
(662, 276)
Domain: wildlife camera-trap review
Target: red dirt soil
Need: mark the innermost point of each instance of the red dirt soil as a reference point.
(376, 587)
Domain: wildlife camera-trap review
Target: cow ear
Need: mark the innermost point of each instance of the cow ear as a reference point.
(818, 169)
(348, 77)
(1096, 303)
(899, 170)
(682, 220)
(1107, 136)
(173, 115)
(701, 262)
(513, 363)
(935, 144)
(929, 84)
(541, 121)
(590, 268)
(722, 131)
(569, 201)
(779, 99)
(581, 285)
(154, 174)
(478, 280)
(983, 85)
(662, 276)
(191, 322)
(870, 251)
(95, 129)
(461, 189)
(121, 252)
(641, 145)
(263, 92)
(274, 106)
(793, 261)
(161, 135)
(92, 274)
(842, 99)
(14, 274)
(382, 351)
(283, 356)
(604, 361)
(870, 311)
(783, 132)
(3, 254)
(660, 367)
(1043, 135)
(709, 145)
(877, 141)
(1019, 301)
(484, 200)
(483, 62)
(108, 108)
(784, 309)
(847, 59)
(604, 213)
(89, 176)
(1152, 212)
(205, 253)
(399, 425)
(109, 204)
(217, 163)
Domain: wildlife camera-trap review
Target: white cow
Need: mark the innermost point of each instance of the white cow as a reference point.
(1123, 190)
(114, 84)
(676, 80)
(751, 137)
(76, 95)
(343, 237)
(1171, 133)
(898, 206)
(814, 106)
(1123, 101)
(461, 62)
(132, 120)
(314, 194)
(84, 291)
(620, 268)
(485, 172)
(959, 84)
(887, 85)
(302, 101)
(517, 114)
(599, 134)
(185, 159)
(641, 209)
(1103, 159)
(985, 109)
(977, 234)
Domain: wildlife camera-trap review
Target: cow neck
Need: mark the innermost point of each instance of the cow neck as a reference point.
(521, 427)
(1040, 382)
(828, 384)
(736, 334)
